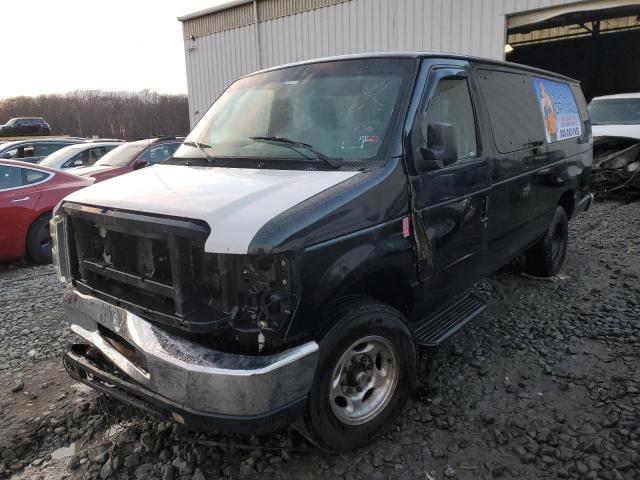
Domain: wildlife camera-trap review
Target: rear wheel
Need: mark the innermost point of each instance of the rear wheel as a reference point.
(39, 240)
(545, 259)
(365, 372)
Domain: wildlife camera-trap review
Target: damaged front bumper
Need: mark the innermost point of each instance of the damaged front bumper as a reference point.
(616, 163)
(137, 362)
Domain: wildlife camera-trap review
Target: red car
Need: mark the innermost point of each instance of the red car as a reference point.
(28, 194)
(131, 156)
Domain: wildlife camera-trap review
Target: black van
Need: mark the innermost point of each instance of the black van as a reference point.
(321, 222)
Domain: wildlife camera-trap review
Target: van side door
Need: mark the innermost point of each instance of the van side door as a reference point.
(517, 151)
(449, 200)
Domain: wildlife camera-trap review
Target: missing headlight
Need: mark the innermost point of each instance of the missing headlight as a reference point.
(256, 294)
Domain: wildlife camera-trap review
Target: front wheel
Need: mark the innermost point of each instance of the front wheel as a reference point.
(365, 373)
(545, 259)
(39, 240)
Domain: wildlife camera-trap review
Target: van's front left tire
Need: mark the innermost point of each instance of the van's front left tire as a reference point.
(545, 258)
(365, 373)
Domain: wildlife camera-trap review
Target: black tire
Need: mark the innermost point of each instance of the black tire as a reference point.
(39, 240)
(355, 319)
(44, 132)
(545, 258)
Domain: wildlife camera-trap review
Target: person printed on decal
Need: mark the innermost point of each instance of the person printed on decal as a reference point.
(549, 114)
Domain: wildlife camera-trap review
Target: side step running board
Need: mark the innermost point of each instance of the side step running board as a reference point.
(435, 328)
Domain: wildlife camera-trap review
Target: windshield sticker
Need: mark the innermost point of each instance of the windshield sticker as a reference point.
(558, 108)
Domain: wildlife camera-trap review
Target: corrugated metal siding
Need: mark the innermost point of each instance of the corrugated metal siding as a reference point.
(218, 21)
(475, 27)
(270, 9)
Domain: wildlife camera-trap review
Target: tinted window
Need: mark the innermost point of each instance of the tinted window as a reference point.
(33, 176)
(615, 111)
(93, 155)
(513, 110)
(78, 157)
(44, 149)
(22, 151)
(10, 177)
(13, 153)
(160, 153)
(451, 104)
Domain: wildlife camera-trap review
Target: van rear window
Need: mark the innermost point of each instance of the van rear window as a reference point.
(513, 110)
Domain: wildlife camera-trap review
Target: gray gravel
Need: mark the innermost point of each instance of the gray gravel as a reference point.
(545, 384)
(31, 329)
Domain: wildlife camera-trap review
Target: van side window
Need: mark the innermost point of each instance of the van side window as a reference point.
(513, 110)
(451, 104)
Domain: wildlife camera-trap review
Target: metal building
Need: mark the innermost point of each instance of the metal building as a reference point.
(226, 42)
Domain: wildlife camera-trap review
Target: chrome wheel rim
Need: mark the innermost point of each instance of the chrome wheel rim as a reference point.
(364, 380)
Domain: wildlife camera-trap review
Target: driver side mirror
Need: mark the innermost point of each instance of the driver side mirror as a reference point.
(6, 156)
(78, 163)
(441, 149)
(138, 164)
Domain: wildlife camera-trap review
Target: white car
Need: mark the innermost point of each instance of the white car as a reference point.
(615, 121)
(616, 115)
(78, 155)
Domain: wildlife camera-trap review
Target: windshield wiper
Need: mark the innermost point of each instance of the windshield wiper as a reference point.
(201, 147)
(294, 145)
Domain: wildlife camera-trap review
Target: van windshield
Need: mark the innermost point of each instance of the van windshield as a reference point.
(319, 115)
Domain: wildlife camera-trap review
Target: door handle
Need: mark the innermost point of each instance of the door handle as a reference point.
(484, 209)
(17, 200)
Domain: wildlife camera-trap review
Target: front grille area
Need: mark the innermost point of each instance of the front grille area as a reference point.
(153, 266)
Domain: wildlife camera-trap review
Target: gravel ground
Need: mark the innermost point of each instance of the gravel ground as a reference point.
(545, 384)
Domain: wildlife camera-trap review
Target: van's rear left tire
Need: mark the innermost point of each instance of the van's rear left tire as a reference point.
(365, 373)
(39, 240)
(545, 258)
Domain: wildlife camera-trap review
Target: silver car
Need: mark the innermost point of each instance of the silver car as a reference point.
(79, 155)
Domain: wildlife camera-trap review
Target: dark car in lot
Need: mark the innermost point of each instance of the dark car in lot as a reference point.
(25, 126)
(34, 150)
(131, 156)
(321, 222)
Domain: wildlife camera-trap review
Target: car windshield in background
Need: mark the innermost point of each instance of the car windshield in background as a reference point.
(120, 156)
(59, 155)
(334, 113)
(615, 111)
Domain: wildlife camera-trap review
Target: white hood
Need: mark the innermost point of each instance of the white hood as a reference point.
(629, 131)
(235, 202)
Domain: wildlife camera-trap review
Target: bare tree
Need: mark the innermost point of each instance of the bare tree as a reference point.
(105, 114)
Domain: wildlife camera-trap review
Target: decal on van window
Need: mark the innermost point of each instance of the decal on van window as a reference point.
(559, 110)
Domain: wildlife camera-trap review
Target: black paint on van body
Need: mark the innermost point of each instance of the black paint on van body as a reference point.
(477, 214)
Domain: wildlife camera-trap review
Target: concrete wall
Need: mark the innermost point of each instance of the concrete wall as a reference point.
(475, 27)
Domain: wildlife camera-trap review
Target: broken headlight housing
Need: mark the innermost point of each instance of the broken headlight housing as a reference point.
(254, 297)
(59, 251)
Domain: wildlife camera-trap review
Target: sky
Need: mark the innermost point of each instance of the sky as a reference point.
(57, 46)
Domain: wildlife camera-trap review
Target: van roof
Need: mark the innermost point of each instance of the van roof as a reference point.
(418, 54)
